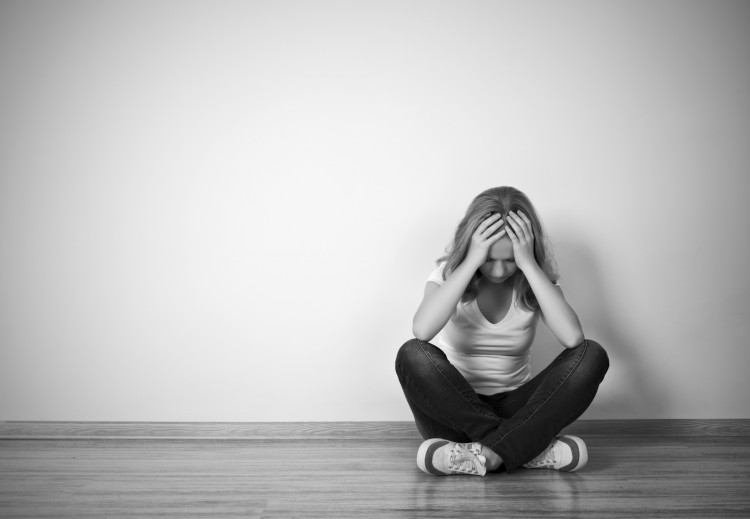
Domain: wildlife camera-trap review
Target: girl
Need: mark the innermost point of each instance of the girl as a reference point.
(466, 374)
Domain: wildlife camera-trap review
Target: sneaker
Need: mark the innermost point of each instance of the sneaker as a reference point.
(565, 453)
(442, 458)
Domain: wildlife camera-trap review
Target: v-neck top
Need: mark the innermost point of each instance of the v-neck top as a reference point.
(493, 357)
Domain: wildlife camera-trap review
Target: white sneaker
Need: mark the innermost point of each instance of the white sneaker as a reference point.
(442, 458)
(565, 453)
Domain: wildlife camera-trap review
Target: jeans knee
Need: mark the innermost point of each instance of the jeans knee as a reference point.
(409, 354)
(596, 358)
(414, 358)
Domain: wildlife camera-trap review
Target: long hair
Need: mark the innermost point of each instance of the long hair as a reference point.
(500, 200)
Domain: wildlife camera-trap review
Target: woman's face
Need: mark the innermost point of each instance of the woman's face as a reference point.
(500, 264)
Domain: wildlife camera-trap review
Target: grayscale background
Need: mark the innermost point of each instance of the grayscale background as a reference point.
(227, 210)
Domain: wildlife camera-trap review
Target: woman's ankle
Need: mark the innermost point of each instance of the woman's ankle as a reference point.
(494, 461)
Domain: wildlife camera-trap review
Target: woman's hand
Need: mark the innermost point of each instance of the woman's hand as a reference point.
(520, 232)
(484, 236)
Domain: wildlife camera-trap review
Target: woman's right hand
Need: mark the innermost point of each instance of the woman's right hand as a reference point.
(484, 236)
(439, 301)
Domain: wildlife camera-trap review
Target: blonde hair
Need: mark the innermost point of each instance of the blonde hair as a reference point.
(499, 200)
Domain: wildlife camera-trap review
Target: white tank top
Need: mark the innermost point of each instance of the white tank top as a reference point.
(494, 358)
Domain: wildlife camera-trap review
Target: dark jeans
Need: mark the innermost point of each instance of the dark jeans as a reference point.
(517, 425)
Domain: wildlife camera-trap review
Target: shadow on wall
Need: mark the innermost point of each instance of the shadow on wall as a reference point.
(628, 391)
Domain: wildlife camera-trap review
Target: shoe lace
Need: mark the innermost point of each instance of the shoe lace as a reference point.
(465, 461)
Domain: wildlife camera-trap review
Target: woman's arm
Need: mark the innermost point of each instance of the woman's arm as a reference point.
(558, 315)
(439, 301)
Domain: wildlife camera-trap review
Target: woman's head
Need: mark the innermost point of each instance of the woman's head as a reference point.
(499, 200)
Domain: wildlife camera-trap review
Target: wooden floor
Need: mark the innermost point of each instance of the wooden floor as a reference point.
(637, 469)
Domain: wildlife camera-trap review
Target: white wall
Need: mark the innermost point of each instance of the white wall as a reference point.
(226, 211)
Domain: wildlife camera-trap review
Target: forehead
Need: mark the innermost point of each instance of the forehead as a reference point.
(501, 249)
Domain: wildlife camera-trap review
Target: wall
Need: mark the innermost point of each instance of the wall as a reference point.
(226, 211)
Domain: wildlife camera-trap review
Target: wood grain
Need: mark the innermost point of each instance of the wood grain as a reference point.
(336, 430)
(632, 472)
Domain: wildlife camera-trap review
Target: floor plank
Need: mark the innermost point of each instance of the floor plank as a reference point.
(628, 475)
(335, 430)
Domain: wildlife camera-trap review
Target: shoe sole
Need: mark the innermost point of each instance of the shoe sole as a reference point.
(580, 453)
(425, 452)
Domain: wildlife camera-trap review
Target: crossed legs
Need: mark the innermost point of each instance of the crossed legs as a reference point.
(516, 425)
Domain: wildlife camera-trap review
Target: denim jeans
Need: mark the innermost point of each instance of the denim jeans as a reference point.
(518, 424)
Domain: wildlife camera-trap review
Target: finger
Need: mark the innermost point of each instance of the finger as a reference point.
(524, 218)
(492, 239)
(517, 229)
(487, 222)
(522, 230)
(529, 226)
(482, 225)
(512, 235)
(492, 228)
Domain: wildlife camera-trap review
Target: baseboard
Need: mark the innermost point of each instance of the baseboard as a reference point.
(335, 430)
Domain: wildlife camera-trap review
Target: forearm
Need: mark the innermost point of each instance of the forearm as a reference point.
(436, 309)
(559, 316)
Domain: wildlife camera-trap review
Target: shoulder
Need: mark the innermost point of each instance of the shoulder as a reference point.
(436, 276)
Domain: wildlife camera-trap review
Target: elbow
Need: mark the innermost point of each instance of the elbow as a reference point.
(422, 336)
(421, 333)
(573, 339)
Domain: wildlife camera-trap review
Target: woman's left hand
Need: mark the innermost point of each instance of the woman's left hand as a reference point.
(520, 232)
